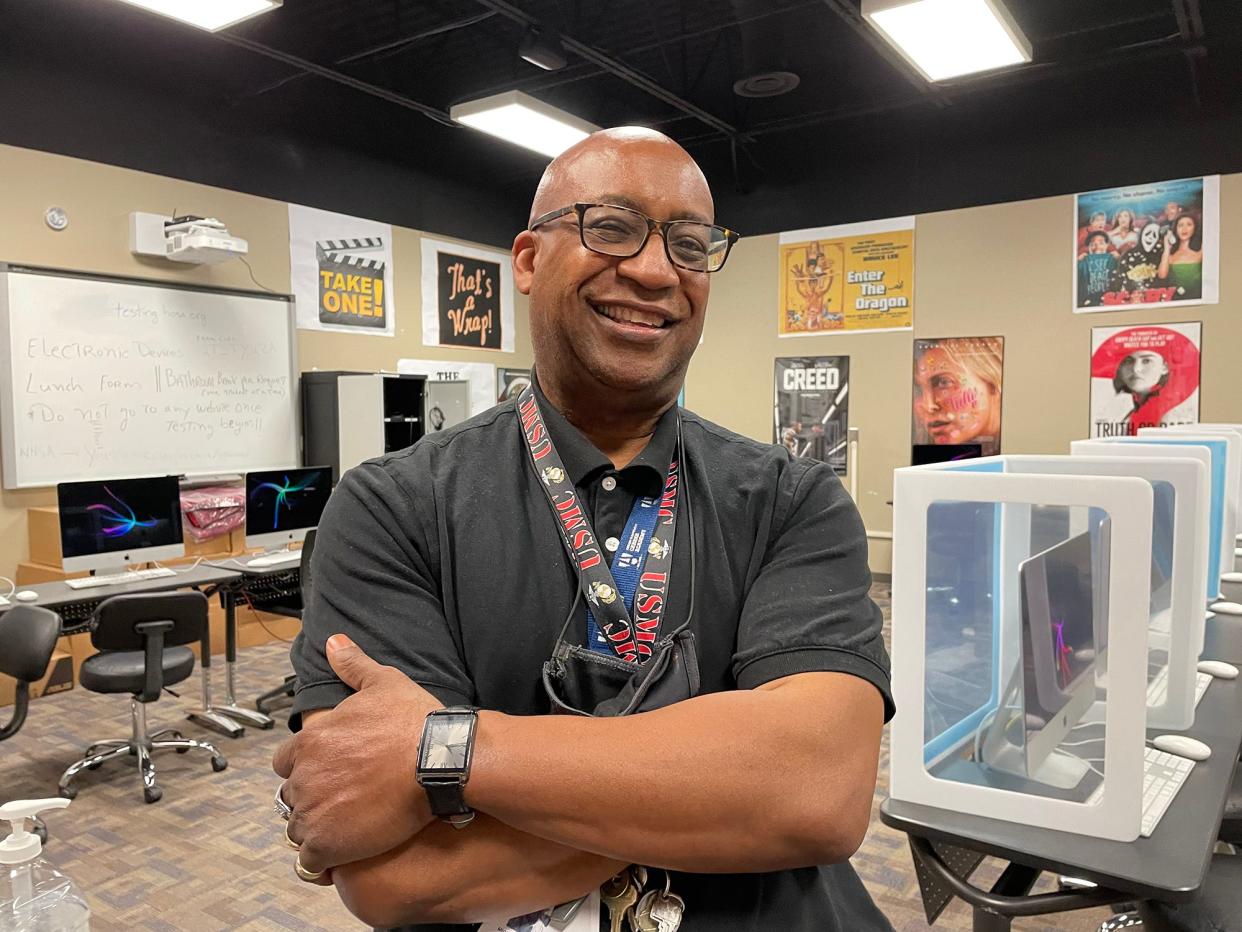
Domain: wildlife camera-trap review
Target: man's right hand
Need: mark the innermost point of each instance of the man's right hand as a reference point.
(350, 775)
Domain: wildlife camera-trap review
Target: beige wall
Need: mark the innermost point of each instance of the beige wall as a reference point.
(982, 271)
(1002, 269)
(99, 198)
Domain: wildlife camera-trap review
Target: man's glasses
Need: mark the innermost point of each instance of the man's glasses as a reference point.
(621, 232)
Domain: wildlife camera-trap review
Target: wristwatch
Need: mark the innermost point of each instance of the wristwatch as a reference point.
(444, 756)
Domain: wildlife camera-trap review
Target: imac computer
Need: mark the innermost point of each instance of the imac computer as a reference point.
(281, 507)
(1059, 595)
(110, 523)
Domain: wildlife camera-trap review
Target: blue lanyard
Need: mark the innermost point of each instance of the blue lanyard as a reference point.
(628, 563)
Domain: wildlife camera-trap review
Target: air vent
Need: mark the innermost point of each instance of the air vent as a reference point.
(768, 84)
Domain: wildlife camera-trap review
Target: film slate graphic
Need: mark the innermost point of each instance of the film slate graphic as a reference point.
(351, 285)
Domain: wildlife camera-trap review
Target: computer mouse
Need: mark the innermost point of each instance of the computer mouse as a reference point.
(1181, 746)
(1227, 608)
(27, 595)
(1218, 668)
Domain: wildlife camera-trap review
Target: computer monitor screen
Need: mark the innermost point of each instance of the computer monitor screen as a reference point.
(112, 522)
(282, 505)
(922, 454)
(1059, 604)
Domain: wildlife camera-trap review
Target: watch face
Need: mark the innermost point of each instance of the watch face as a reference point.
(449, 742)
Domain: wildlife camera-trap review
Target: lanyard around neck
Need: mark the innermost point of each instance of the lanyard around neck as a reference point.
(644, 570)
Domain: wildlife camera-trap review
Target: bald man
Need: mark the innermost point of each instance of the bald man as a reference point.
(694, 604)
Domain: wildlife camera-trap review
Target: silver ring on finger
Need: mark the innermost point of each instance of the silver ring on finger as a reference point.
(282, 808)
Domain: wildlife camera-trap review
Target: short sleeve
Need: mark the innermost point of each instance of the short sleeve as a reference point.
(809, 609)
(373, 580)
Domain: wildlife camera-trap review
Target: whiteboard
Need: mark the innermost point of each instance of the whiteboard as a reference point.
(107, 378)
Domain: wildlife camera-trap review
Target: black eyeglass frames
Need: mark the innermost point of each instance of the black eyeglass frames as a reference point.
(623, 232)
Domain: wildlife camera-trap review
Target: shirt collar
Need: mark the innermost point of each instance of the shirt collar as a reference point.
(584, 462)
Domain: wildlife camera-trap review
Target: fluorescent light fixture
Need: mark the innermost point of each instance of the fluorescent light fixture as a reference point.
(520, 119)
(212, 15)
(949, 38)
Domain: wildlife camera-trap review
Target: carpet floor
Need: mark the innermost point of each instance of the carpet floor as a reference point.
(209, 855)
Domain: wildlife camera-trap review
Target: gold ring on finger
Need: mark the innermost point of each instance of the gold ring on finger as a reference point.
(304, 874)
(289, 841)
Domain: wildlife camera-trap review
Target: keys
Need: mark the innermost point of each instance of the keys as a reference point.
(667, 910)
(658, 910)
(618, 894)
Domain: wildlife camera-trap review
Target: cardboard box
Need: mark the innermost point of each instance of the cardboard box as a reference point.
(259, 628)
(31, 572)
(58, 678)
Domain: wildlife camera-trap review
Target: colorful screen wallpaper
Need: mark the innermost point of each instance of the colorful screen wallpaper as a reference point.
(118, 514)
(286, 499)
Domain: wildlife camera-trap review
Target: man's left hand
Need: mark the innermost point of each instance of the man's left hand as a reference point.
(350, 775)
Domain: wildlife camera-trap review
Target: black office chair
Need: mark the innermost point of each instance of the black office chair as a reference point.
(140, 638)
(1231, 818)
(267, 701)
(28, 636)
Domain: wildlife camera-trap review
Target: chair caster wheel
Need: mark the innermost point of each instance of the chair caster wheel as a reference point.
(94, 766)
(183, 750)
(69, 792)
(218, 764)
(152, 795)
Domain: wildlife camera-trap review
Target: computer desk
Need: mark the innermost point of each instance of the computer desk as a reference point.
(1170, 865)
(76, 607)
(270, 588)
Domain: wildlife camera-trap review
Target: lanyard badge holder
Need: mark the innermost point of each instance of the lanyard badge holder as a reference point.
(627, 667)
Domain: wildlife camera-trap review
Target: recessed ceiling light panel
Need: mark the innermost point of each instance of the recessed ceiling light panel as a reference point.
(950, 38)
(521, 119)
(212, 15)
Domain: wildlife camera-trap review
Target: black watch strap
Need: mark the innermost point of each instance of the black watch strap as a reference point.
(447, 799)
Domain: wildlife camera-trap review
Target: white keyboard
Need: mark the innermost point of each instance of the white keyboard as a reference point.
(276, 559)
(1158, 689)
(1163, 776)
(117, 579)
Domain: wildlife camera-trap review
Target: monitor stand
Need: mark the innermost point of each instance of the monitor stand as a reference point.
(1062, 770)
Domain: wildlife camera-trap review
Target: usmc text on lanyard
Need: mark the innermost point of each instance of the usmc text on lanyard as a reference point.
(644, 560)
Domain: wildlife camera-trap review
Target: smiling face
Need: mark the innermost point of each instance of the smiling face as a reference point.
(953, 404)
(1185, 228)
(603, 323)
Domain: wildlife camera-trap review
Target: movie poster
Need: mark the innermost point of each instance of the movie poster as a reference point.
(510, 383)
(341, 271)
(847, 279)
(1147, 244)
(810, 409)
(467, 297)
(1144, 376)
(957, 392)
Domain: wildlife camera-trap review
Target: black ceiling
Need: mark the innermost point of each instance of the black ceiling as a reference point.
(1120, 90)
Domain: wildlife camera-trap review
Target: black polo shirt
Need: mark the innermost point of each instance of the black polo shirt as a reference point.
(444, 560)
